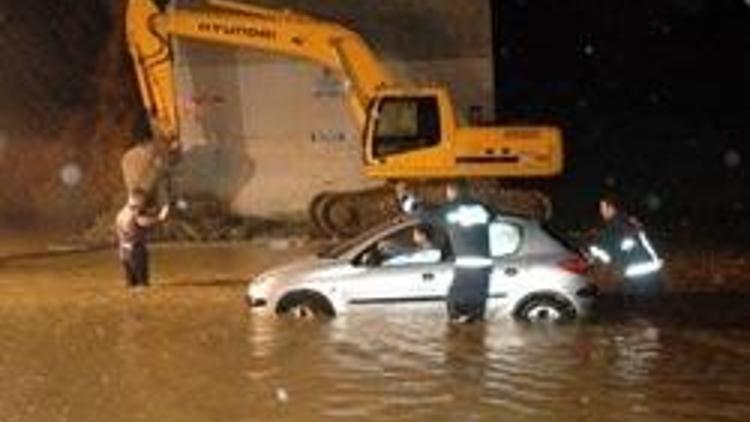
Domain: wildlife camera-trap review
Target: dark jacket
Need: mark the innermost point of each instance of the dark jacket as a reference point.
(623, 244)
(466, 223)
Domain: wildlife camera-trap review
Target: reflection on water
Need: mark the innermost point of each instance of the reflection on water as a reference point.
(146, 360)
(189, 352)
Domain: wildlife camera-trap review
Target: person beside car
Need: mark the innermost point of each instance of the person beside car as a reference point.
(466, 223)
(622, 244)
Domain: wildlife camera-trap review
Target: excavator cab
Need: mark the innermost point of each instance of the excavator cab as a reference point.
(408, 134)
(405, 124)
(414, 134)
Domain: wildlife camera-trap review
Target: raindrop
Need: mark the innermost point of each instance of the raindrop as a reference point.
(589, 49)
(747, 2)
(718, 278)
(281, 395)
(653, 202)
(732, 158)
(610, 181)
(71, 174)
(651, 333)
(182, 204)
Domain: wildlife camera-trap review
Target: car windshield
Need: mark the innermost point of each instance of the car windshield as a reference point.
(338, 249)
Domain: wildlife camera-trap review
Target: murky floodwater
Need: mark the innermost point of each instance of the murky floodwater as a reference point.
(75, 346)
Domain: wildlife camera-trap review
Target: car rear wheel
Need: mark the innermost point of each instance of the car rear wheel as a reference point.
(546, 308)
(305, 305)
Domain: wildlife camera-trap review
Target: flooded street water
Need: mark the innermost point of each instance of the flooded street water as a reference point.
(76, 346)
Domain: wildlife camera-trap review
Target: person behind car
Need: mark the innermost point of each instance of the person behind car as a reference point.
(621, 243)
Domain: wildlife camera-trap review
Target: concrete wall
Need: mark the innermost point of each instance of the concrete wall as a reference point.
(267, 133)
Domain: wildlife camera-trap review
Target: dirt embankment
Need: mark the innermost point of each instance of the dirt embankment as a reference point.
(63, 166)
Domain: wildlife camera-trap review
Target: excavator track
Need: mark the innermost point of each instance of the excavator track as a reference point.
(346, 214)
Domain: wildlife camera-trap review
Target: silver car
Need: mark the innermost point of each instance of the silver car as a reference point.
(536, 276)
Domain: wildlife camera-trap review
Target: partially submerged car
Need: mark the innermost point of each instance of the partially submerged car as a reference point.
(536, 275)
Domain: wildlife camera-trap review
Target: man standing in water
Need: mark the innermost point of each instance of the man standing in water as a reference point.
(131, 226)
(622, 243)
(466, 222)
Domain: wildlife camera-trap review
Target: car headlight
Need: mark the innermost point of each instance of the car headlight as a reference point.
(259, 286)
(257, 292)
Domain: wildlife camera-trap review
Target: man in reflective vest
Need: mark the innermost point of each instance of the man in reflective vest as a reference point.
(466, 222)
(622, 244)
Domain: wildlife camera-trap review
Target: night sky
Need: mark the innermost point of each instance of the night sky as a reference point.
(654, 97)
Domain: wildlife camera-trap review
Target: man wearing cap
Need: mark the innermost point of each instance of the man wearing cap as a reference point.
(131, 226)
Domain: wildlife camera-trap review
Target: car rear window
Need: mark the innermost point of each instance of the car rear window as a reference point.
(562, 238)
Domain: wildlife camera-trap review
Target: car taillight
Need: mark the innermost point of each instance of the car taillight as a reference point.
(575, 265)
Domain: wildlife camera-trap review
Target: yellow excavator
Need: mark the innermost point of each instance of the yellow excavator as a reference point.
(409, 133)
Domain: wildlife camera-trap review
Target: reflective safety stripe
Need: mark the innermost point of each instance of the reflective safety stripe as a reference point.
(468, 215)
(600, 254)
(643, 268)
(473, 262)
(647, 245)
(627, 244)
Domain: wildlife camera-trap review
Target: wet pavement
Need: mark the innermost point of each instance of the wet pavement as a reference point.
(77, 346)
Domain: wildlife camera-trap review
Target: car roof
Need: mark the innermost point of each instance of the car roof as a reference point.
(512, 218)
(403, 221)
(357, 244)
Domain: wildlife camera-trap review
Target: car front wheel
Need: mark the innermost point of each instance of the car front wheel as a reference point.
(305, 305)
(546, 308)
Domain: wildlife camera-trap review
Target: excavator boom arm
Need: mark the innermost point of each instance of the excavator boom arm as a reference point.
(268, 30)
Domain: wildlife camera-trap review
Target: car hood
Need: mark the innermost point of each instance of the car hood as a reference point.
(304, 270)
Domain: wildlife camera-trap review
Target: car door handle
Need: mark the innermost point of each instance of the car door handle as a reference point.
(511, 271)
(428, 276)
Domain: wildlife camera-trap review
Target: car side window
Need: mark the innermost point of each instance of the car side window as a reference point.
(412, 245)
(505, 238)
